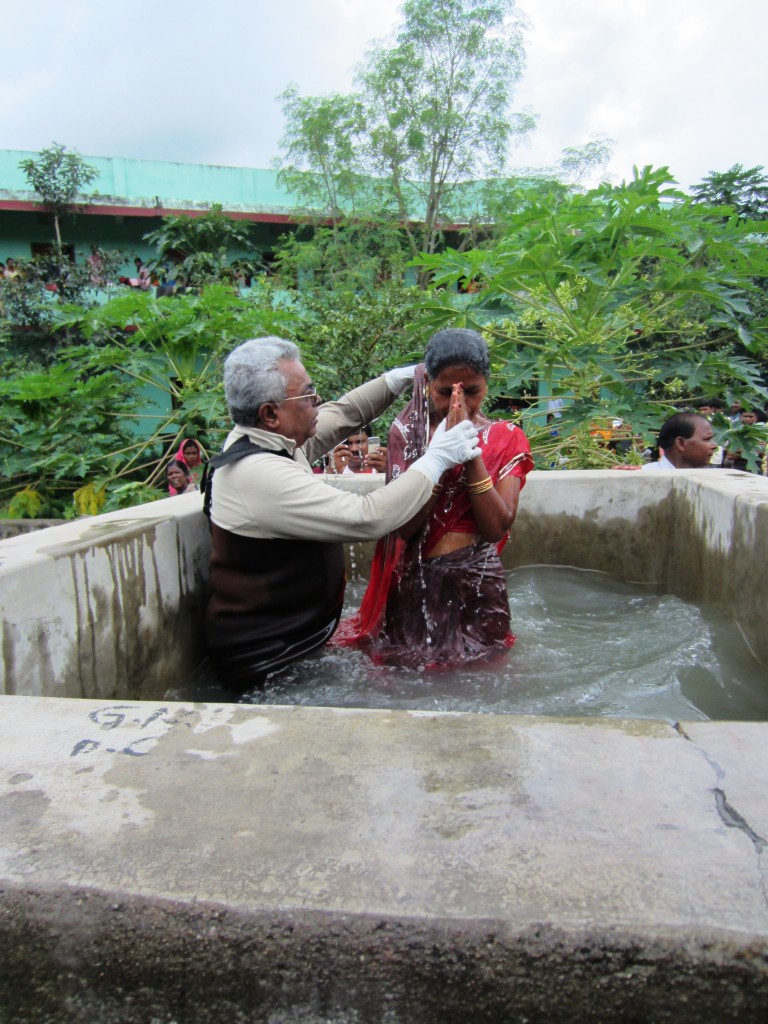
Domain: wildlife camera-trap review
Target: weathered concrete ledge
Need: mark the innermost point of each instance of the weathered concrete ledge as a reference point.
(105, 606)
(13, 527)
(188, 862)
(112, 606)
(191, 863)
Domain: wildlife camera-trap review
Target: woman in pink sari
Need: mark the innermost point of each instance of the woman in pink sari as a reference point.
(190, 455)
(437, 593)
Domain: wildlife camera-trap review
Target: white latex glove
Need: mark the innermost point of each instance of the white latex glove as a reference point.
(398, 380)
(447, 449)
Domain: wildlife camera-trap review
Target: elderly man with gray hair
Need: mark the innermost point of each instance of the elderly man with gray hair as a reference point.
(277, 564)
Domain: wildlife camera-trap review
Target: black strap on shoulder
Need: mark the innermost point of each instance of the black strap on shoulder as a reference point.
(240, 449)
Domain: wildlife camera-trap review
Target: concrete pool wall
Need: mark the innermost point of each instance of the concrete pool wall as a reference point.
(182, 862)
(112, 605)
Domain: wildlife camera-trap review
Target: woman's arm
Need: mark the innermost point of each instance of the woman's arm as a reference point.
(494, 509)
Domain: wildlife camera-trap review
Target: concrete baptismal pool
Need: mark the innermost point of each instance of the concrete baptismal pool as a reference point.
(196, 861)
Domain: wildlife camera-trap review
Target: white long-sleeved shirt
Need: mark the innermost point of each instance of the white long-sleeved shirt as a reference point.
(663, 463)
(270, 496)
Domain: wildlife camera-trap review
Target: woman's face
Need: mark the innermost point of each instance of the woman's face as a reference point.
(474, 384)
(176, 477)
(191, 455)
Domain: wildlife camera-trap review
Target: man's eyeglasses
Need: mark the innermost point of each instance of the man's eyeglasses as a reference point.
(311, 396)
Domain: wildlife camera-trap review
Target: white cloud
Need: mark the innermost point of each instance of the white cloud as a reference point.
(681, 83)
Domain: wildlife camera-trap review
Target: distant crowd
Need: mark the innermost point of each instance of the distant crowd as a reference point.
(752, 419)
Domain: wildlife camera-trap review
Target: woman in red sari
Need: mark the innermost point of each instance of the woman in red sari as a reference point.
(437, 592)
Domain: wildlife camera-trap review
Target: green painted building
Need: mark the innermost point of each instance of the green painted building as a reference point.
(132, 198)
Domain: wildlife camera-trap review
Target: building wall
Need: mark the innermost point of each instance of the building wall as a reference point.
(132, 197)
(164, 183)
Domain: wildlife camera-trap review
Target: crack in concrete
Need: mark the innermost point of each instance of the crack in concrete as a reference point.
(713, 764)
(731, 817)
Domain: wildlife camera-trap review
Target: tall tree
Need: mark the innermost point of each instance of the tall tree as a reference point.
(430, 119)
(437, 102)
(59, 175)
(322, 140)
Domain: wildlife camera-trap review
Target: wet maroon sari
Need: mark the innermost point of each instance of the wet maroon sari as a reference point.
(451, 609)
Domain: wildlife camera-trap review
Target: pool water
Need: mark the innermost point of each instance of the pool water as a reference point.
(587, 645)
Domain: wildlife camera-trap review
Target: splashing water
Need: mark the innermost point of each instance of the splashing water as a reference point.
(587, 645)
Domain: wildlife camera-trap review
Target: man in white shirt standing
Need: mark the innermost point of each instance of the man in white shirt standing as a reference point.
(686, 441)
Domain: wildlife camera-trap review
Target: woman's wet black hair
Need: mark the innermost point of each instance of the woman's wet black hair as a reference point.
(178, 465)
(456, 346)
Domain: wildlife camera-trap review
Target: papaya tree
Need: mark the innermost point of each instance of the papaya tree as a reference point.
(199, 246)
(622, 304)
(96, 427)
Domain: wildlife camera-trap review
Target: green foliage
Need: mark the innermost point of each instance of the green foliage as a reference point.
(625, 302)
(78, 432)
(89, 499)
(58, 175)
(354, 255)
(26, 504)
(58, 426)
(742, 440)
(743, 190)
(198, 247)
(80, 422)
(28, 300)
(132, 493)
(187, 234)
(348, 338)
(610, 301)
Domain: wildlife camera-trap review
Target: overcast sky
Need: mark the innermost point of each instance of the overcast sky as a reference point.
(676, 82)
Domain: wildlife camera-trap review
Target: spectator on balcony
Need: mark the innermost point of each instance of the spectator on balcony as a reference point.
(142, 280)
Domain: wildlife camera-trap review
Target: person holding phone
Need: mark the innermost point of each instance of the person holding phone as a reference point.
(359, 453)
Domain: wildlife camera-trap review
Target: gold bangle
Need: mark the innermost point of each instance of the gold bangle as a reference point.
(437, 489)
(480, 487)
